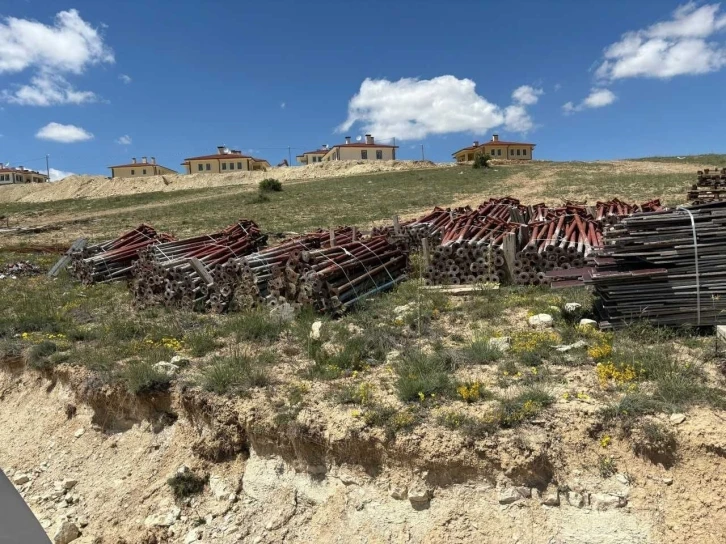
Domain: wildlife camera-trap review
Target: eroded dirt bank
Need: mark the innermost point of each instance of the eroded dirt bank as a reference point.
(99, 459)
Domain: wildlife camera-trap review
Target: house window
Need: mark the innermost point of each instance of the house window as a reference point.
(224, 166)
(499, 152)
(200, 167)
(231, 166)
(364, 154)
(133, 172)
(511, 151)
(144, 171)
(239, 166)
(518, 152)
(208, 167)
(379, 154)
(524, 152)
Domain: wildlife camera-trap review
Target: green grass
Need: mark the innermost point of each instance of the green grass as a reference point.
(235, 373)
(712, 160)
(187, 484)
(527, 404)
(141, 378)
(421, 375)
(256, 326)
(480, 352)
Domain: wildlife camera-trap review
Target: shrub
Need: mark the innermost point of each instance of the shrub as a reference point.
(256, 326)
(472, 391)
(481, 160)
(390, 418)
(270, 185)
(186, 484)
(10, 349)
(467, 425)
(142, 378)
(39, 354)
(201, 342)
(355, 394)
(422, 375)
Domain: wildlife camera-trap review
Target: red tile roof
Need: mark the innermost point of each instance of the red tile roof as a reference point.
(316, 152)
(362, 145)
(219, 156)
(16, 171)
(490, 143)
(142, 164)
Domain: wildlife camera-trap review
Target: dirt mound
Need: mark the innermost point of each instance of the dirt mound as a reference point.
(100, 187)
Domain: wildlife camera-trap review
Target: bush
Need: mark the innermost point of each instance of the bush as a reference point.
(201, 342)
(270, 185)
(470, 426)
(234, 373)
(142, 378)
(421, 375)
(256, 326)
(186, 484)
(481, 352)
(481, 160)
(516, 410)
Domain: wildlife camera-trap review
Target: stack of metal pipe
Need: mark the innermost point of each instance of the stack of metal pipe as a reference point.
(666, 267)
(614, 210)
(709, 187)
(181, 273)
(113, 259)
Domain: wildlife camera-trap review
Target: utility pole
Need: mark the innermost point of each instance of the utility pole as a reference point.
(47, 166)
(423, 158)
(289, 156)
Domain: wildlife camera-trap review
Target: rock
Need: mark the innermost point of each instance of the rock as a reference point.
(183, 469)
(541, 321)
(677, 419)
(508, 495)
(501, 343)
(399, 492)
(525, 492)
(193, 536)
(79, 432)
(221, 489)
(69, 483)
(82, 521)
(554, 309)
(572, 307)
(393, 356)
(567, 347)
(418, 494)
(354, 329)
(284, 313)
(668, 480)
(588, 323)
(606, 501)
(163, 519)
(179, 360)
(66, 533)
(405, 309)
(575, 499)
(169, 369)
(550, 499)
(315, 330)
(21, 479)
(622, 478)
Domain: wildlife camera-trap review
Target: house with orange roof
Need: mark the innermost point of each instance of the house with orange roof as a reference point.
(361, 151)
(223, 162)
(496, 149)
(139, 169)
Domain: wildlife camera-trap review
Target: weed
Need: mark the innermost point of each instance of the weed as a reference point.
(10, 349)
(234, 373)
(201, 342)
(480, 351)
(467, 425)
(355, 394)
(257, 326)
(515, 410)
(422, 375)
(607, 466)
(472, 392)
(187, 484)
(39, 354)
(391, 419)
(142, 378)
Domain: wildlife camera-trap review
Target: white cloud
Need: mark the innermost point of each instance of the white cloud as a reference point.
(69, 45)
(56, 175)
(126, 79)
(283, 105)
(65, 134)
(124, 140)
(598, 98)
(526, 95)
(412, 109)
(670, 48)
(47, 90)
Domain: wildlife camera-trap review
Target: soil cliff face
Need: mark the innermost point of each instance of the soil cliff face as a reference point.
(98, 459)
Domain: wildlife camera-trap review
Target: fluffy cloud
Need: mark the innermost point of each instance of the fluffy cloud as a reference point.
(598, 98)
(412, 109)
(66, 134)
(124, 140)
(670, 48)
(56, 175)
(126, 79)
(526, 95)
(47, 90)
(68, 46)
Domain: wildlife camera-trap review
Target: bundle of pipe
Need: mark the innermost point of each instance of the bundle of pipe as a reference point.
(474, 248)
(334, 279)
(180, 273)
(113, 259)
(614, 210)
(563, 240)
(430, 226)
(668, 267)
(261, 277)
(709, 187)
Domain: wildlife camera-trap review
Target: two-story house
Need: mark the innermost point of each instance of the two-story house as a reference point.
(140, 169)
(359, 151)
(224, 161)
(20, 175)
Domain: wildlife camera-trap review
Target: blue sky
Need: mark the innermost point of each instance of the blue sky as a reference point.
(94, 83)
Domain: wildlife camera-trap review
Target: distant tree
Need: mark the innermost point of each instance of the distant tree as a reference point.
(270, 185)
(481, 160)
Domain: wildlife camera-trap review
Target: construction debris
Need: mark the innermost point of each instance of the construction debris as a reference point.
(709, 187)
(19, 269)
(668, 267)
